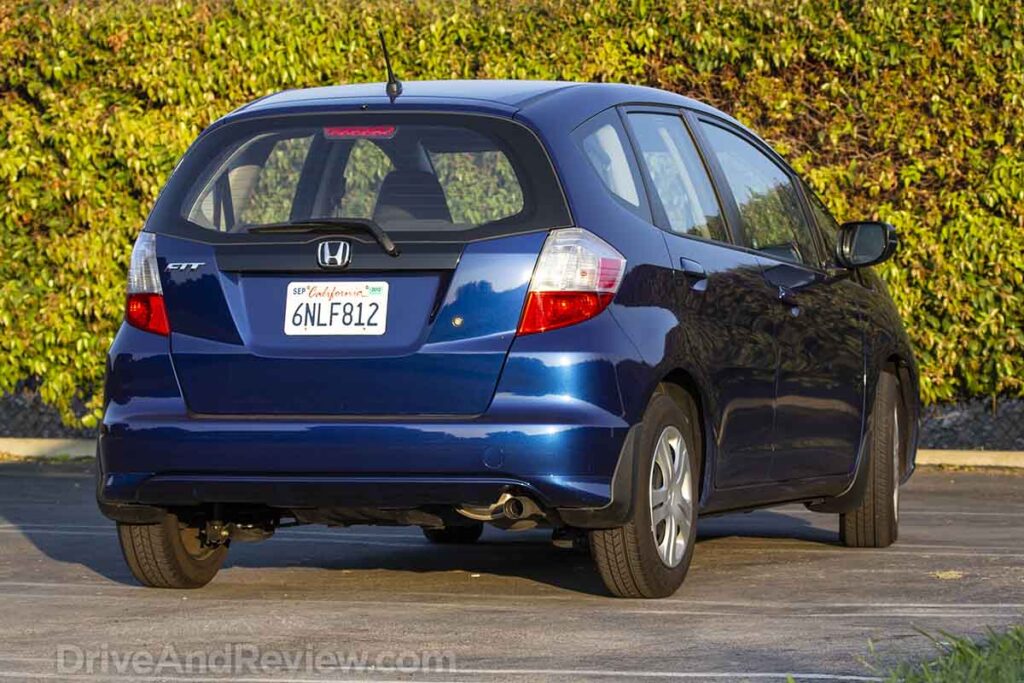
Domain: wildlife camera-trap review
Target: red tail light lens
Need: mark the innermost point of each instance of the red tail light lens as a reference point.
(144, 307)
(147, 312)
(550, 310)
(576, 277)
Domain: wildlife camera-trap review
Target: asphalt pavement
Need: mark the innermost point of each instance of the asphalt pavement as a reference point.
(770, 594)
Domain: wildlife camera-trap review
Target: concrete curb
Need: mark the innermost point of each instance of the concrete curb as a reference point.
(971, 458)
(48, 448)
(77, 448)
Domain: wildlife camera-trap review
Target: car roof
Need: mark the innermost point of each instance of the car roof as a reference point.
(574, 102)
(511, 93)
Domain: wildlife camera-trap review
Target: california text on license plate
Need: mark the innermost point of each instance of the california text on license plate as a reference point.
(335, 308)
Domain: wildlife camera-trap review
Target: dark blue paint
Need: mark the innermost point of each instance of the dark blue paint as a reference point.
(820, 393)
(726, 336)
(232, 338)
(784, 359)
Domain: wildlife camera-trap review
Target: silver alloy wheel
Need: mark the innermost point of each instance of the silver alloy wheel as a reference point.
(671, 496)
(896, 464)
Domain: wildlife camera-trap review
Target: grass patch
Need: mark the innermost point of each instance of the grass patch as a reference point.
(998, 659)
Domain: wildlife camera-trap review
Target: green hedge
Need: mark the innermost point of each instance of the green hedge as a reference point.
(907, 110)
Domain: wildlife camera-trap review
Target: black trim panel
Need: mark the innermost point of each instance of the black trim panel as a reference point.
(250, 257)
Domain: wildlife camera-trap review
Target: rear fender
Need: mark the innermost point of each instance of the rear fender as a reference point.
(139, 369)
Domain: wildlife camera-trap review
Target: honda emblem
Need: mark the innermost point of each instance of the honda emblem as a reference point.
(335, 254)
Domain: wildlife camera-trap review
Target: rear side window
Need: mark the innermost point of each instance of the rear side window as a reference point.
(678, 175)
(768, 202)
(430, 173)
(604, 144)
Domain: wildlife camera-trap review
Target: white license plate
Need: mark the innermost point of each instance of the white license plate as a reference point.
(336, 308)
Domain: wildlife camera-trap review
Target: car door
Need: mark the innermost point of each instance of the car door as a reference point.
(723, 303)
(819, 380)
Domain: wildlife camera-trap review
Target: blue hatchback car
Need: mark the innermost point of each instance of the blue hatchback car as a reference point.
(604, 309)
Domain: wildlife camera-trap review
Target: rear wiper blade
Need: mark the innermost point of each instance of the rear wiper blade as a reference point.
(332, 224)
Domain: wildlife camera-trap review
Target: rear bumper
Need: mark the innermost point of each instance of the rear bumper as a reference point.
(554, 430)
(565, 457)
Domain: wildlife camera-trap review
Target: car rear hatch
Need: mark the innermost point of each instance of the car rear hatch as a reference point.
(273, 241)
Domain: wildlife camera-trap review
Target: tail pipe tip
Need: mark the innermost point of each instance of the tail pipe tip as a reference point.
(520, 507)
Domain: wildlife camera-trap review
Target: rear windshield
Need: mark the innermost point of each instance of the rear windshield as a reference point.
(410, 174)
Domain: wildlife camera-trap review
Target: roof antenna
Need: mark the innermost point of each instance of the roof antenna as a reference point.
(394, 86)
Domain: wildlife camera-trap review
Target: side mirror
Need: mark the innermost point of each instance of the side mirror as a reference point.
(865, 243)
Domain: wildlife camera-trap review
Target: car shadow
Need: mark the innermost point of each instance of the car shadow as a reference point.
(52, 506)
(527, 555)
(788, 523)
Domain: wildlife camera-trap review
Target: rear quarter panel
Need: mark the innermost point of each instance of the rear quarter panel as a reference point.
(643, 307)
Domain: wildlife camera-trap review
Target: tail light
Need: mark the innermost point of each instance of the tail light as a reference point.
(144, 307)
(576, 277)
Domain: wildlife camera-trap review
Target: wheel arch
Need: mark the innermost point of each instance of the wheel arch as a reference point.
(682, 380)
(618, 510)
(903, 369)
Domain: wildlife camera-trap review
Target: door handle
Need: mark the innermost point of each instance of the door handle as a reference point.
(787, 297)
(693, 273)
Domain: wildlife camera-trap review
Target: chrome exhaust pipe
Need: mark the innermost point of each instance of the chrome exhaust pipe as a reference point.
(520, 507)
(509, 512)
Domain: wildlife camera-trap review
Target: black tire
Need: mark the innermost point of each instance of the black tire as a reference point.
(875, 523)
(168, 554)
(455, 535)
(627, 557)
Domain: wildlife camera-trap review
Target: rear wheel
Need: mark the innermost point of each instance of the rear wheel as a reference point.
(169, 554)
(650, 555)
(875, 523)
(455, 535)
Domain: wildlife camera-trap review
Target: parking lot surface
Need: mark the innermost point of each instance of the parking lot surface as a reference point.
(769, 594)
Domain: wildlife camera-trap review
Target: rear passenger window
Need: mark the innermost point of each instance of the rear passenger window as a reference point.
(678, 175)
(768, 202)
(604, 144)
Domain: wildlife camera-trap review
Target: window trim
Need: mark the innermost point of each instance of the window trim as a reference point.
(660, 216)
